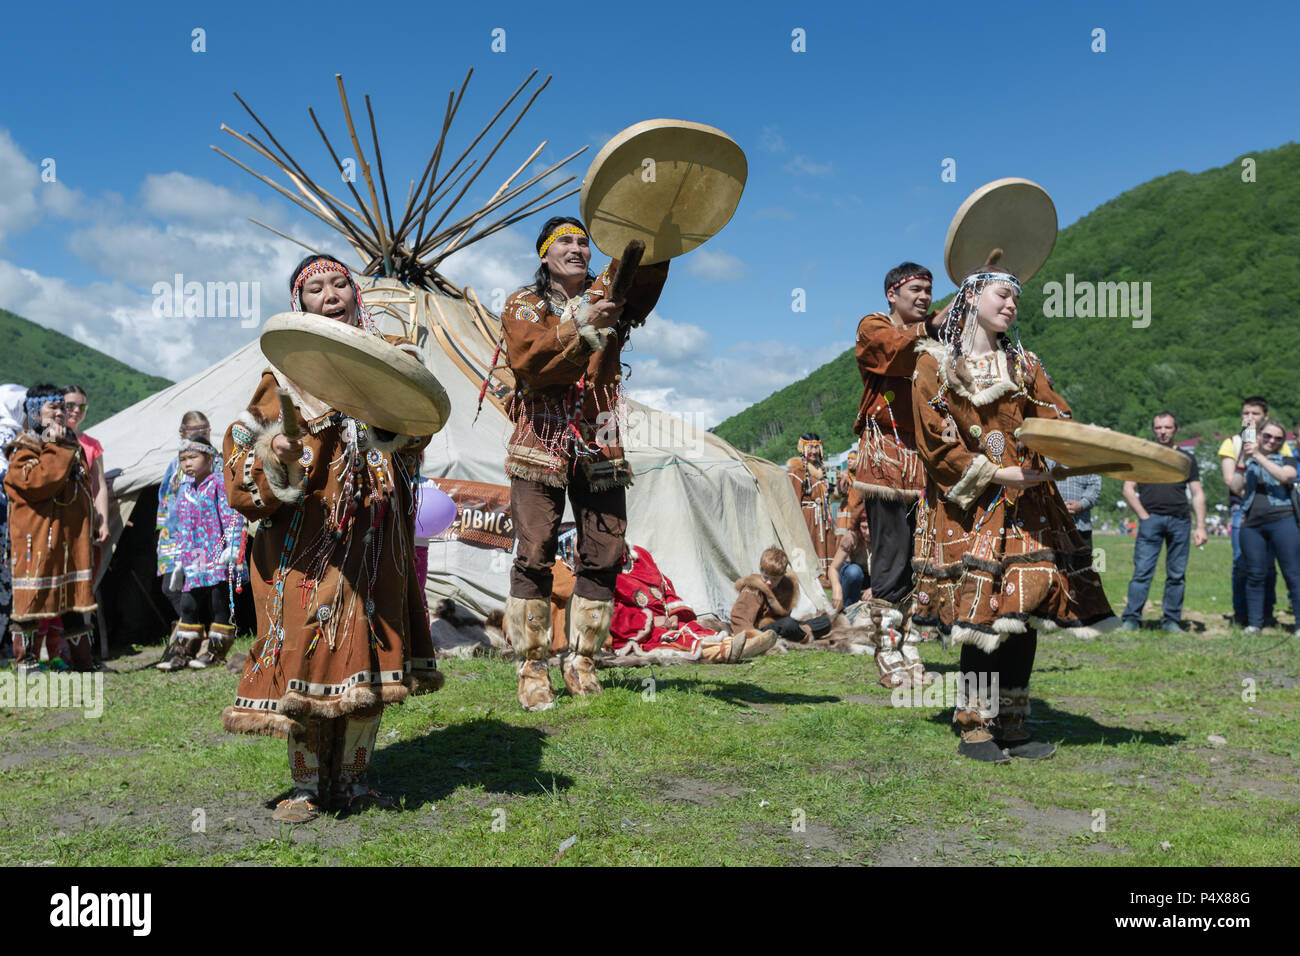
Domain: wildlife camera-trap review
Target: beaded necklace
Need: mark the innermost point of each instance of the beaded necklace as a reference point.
(275, 635)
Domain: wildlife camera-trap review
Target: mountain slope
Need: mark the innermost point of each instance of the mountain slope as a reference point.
(1221, 257)
(32, 353)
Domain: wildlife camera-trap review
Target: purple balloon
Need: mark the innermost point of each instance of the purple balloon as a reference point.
(434, 511)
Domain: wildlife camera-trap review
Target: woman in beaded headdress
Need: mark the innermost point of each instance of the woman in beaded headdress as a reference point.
(50, 512)
(341, 628)
(996, 553)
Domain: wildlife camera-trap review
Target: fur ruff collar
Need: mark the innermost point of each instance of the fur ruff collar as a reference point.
(756, 582)
(957, 376)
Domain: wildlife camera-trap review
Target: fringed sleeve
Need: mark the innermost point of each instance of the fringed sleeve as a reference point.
(883, 349)
(39, 473)
(258, 483)
(1044, 397)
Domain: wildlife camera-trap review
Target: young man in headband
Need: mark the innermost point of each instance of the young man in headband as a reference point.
(889, 476)
(563, 339)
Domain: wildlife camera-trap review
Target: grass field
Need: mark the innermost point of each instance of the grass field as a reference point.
(792, 759)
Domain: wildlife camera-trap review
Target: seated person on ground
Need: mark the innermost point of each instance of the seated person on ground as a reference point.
(849, 567)
(767, 599)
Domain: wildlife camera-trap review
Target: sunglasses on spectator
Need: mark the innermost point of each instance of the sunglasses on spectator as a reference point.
(73, 406)
(1270, 436)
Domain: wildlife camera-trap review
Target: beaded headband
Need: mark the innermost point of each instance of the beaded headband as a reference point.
(202, 447)
(902, 282)
(568, 229)
(319, 267)
(34, 405)
(993, 277)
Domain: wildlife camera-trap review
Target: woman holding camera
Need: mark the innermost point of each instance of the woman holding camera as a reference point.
(1268, 519)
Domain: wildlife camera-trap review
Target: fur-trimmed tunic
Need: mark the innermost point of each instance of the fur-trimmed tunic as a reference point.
(811, 486)
(887, 462)
(50, 513)
(562, 383)
(993, 561)
(354, 632)
(759, 605)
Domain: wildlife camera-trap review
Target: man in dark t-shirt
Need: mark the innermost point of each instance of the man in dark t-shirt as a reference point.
(1163, 518)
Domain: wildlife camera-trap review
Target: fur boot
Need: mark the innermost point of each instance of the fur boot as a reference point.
(1010, 731)
(588, 624)
(528, 628)
(215, 646)
(189, 638)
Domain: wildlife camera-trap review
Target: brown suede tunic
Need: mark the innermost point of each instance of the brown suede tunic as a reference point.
(332, 566)
(811, 486)
(561, 384)
(886, 357)
(886, 354)
(50, 509)
(993, 561)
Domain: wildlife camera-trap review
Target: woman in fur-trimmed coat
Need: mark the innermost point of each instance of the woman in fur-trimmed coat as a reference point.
(51, 514)
(341, 626)
(996, 554)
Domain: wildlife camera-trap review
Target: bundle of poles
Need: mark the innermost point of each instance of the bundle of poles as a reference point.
(410, 247)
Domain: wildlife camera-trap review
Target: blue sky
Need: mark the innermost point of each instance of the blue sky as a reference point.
(845, 143)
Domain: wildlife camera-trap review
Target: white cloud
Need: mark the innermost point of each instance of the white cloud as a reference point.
(801, 164)
(771, 140)
(671, 341)
(117, 320)
(19, 181)
(176, 195)
(713, 266)
(26, 197)
(501, 263)
(704, 387)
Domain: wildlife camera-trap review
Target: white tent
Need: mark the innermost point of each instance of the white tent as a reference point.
(705, 510)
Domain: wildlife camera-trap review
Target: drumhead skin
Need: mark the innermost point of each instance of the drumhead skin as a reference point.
(356, 373)
(1014, 215)
(671, 183)
(1076, 445)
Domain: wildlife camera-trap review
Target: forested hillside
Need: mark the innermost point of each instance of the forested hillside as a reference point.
(32, 353)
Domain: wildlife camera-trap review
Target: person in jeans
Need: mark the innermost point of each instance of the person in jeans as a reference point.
(1268, 525)
(1163, 518)
(1232, 460)
(851, 566)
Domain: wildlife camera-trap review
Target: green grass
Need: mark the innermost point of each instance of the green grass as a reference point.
(716, 768)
